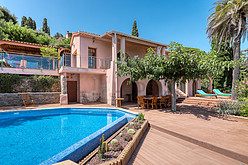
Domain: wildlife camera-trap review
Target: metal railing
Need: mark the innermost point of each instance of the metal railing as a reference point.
(30, 61)
(81, 61)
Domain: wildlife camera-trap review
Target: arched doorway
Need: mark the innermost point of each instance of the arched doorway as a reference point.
(152, 88)
(129, 91)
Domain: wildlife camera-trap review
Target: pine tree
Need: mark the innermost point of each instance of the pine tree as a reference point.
(24, 21)
(34, 25)
(7, 16)
(45, 28)
(58, 35)
(30, 23)
(135, 29)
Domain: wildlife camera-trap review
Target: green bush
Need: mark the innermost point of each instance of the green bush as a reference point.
(242, 88)
(229, 108)
(39, 83)
(244, 108)
(7, 81)
(43, 83)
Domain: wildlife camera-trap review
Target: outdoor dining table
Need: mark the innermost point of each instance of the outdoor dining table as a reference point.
(147, 99)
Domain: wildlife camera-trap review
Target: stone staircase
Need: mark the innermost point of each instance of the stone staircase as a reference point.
(202, 101)
(180, 100)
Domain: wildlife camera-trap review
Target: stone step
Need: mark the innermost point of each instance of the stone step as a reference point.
(202, 101)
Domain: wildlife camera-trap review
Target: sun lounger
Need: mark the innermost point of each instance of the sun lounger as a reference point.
(202, 93)
(219, 93)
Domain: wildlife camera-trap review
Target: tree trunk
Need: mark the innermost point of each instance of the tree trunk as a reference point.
(236, 71)
(173, 94)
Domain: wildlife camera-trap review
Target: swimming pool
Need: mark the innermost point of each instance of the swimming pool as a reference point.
(52, 135)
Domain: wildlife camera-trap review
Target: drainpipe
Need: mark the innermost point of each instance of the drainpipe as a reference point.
(116, 88)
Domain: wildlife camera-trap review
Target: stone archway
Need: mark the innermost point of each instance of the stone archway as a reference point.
(129, 91)
(152, 88)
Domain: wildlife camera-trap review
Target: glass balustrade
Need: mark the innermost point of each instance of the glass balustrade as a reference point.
(14, 60)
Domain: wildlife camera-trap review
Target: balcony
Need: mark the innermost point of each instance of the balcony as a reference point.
(79, 63)
(20, 63)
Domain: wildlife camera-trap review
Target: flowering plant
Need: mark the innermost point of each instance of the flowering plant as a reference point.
(242, 88)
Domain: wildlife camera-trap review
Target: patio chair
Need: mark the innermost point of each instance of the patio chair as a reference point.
(202, 93)
(26, 99)
(141, 102)
(154, 102)
(219, 93)
(162, 101)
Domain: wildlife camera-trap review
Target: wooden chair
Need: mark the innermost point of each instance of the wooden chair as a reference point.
(154, 102)
(169, 100)
(162, 101)
(141, 102)
(26, 99)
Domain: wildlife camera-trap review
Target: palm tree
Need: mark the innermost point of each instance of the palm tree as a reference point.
(229, 22)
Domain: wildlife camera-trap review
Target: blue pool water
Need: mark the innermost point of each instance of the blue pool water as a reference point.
(32, 137)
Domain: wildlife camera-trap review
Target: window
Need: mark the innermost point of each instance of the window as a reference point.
(91, 58)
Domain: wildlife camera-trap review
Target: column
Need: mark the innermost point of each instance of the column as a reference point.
(159, 49)
(111, 85)
(163, 50)
(123, 46)
(187, 88)
(63, 95)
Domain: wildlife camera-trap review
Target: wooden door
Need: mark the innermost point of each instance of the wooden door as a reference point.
(72, 91)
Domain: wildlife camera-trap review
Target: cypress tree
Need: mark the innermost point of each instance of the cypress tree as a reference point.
(30, 23)
(135, 29)
(24, 21)
(34, 25)
(45, 28)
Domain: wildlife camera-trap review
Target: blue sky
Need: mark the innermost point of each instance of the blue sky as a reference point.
(183, 21)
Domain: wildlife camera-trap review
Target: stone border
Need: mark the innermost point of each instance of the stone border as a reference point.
(239, 117)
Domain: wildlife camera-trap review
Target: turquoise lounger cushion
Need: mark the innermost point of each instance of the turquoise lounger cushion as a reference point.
(206, 94)
(218, 92)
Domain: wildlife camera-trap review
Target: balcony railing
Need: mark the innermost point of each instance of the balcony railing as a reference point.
(80, 61)
(30, 61)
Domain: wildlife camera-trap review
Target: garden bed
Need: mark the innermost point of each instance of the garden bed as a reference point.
(121, 145)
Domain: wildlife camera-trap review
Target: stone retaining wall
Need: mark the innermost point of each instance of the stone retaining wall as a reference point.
(11, 99)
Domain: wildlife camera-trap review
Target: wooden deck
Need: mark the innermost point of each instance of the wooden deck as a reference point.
(194, 135)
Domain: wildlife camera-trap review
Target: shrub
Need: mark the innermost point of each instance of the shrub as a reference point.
(114, 141)
(141, 122)
(141, 116)
(137, 126)
(229, 108)
(244, 108)
(7, 82)
(242, 88)
(127, 137)
(131, 131)
(131, 124)
(115, 147)
(136, 120)
(43, 83)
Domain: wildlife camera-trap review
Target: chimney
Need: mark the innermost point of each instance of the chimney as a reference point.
(68, 34)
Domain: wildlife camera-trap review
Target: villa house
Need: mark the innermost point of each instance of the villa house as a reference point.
(88, 73)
